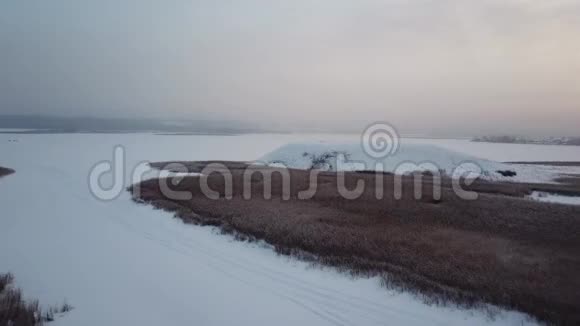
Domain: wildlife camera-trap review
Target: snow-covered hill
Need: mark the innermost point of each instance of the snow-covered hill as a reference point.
(300, 156)
(409, 157)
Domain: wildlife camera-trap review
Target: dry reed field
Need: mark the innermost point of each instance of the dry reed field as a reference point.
(500, 249)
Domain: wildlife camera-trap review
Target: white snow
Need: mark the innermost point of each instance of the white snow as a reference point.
(554, 198)
(410, 157)
(120, 263)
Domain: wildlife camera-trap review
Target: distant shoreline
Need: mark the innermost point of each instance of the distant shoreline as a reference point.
(552, 163)
(559, 141)
(38, 124)
(19, 131)
(116, 132)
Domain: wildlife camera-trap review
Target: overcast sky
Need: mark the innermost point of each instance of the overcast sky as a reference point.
(509, 66)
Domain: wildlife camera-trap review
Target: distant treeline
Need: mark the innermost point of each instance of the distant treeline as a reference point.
(50, 124)
(529, 140)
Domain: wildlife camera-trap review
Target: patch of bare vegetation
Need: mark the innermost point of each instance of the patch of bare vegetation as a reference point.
(15, 311)
(572, 180)
(500, 249)
(5, 171)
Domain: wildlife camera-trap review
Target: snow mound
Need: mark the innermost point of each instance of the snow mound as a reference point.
(409, 157)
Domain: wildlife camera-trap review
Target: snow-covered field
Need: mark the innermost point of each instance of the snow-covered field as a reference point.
(119, 263)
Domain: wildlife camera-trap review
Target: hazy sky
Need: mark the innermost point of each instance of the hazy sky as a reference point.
(510, 66)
